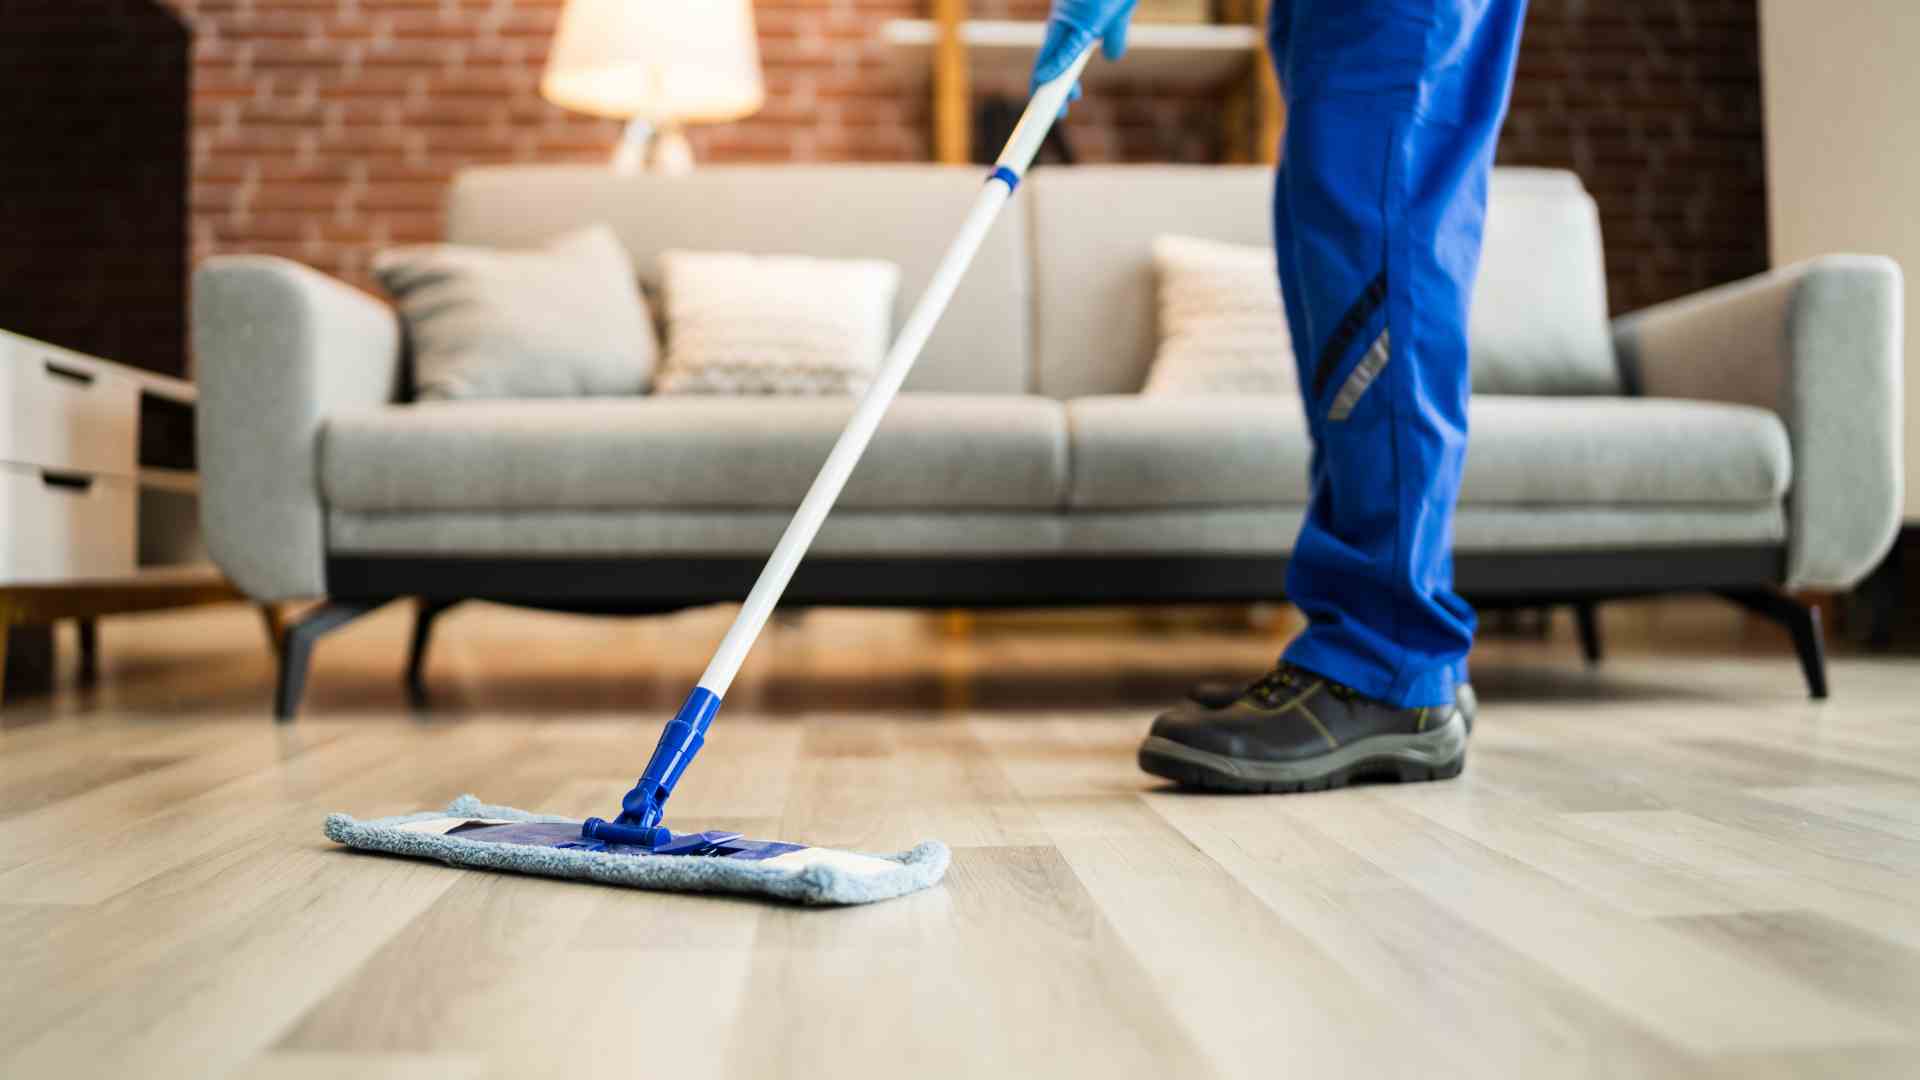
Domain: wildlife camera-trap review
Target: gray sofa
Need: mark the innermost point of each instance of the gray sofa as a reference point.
(1742, 441)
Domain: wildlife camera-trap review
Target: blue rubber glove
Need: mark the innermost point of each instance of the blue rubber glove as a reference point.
(1072, 26)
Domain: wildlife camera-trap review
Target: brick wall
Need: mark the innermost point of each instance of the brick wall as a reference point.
(1656, 104)
(327, 129)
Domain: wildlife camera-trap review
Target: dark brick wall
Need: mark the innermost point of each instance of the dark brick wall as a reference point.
(1656, 104)
(326, 129)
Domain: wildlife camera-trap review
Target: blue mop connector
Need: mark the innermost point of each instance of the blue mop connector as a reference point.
(643, 807)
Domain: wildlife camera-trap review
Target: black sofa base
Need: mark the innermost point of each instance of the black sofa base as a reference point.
(1748, 575)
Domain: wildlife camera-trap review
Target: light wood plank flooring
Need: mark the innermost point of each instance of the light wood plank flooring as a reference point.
(1672, 866)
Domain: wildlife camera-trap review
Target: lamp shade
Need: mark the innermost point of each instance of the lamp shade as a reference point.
(662, 61)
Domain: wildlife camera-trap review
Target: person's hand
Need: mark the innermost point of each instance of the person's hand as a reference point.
(1072, 26)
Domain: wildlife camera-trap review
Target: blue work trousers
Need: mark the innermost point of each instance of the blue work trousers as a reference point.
(1393, 108)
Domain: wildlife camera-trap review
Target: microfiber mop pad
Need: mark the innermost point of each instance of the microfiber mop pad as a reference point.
(471, 833)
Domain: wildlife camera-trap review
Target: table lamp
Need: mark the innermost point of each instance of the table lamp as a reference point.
(656, 64)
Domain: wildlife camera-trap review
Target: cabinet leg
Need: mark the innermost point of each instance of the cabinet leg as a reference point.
(89, 651)
(273, 619)
(28, 649)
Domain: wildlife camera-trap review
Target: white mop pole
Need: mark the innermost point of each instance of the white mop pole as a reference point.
(1021, 147)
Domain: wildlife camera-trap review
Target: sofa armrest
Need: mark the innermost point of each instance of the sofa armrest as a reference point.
(1819, 343)
(278, 347)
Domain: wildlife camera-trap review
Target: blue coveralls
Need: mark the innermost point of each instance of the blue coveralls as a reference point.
(1393, 107)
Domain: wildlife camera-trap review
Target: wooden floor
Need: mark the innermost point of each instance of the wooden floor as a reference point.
(1672, 866)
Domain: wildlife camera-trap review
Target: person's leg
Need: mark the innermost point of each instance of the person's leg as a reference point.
(1393, 110)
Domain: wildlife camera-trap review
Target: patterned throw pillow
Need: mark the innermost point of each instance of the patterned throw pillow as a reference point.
(563, 321)
(774, 324)
(1222, 328)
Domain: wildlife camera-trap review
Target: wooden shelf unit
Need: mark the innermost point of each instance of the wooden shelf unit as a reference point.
(1226, 56)
(75, 425)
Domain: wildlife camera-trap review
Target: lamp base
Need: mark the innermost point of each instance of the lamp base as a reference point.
(644, 147)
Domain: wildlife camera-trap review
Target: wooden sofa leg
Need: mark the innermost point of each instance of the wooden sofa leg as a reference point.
(1802, 621)
(424, 613)
(1586, 615)
(296, 649)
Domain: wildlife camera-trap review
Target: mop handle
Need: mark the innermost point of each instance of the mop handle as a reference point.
(1020, 149)
(643, 807)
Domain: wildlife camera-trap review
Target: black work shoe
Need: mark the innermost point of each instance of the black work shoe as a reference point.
(1220, 693)
(1294, 731)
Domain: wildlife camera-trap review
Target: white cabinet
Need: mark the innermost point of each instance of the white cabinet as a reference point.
(69, 462)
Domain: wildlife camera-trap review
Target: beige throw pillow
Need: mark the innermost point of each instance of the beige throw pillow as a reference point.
(1222, 328)
(566, 320)
(774, 324)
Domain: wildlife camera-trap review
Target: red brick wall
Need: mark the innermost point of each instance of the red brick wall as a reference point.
(327, 129)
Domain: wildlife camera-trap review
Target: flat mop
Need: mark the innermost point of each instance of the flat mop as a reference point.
(635, 848)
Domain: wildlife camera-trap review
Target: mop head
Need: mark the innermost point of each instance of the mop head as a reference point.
(471, 833)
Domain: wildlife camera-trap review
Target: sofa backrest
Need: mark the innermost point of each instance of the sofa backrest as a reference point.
(1539, 323)
(1060, 300)
(906, 213)
(1093, 230)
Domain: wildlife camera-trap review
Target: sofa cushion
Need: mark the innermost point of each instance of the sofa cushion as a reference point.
(1134, 452)
(564, 321)
(1617, 451)
(1129, 451)
(932, 451)
(847, 532)
(774, 324)
(1478, 530)
(1222, 330)
(1213, 530)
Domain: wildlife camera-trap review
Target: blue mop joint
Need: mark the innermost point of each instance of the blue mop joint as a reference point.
(640, 812)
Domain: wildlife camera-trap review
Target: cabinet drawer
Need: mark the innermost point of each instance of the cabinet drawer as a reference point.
(56, 525)
(65, 412)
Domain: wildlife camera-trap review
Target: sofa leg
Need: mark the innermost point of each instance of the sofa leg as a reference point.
(296, 649)
(424, 613)
(1586, 615)
(1802, 621)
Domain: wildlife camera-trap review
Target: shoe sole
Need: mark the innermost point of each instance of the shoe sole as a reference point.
(1440, 754)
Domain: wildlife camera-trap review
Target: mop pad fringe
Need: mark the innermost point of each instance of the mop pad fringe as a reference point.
(818, 884)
